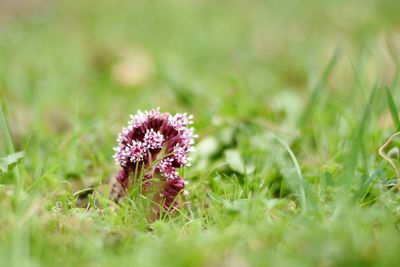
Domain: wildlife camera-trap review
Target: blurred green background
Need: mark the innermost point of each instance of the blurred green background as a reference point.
(71, 72)
(78, 69)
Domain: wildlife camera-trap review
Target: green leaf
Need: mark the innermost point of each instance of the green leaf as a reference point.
(9, 162)
(393, 109)
(234, 160)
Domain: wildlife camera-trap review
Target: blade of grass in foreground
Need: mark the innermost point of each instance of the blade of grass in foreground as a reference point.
(393, 109)
(316, 92)
(5, 130)
(304, 192)
(352, 158)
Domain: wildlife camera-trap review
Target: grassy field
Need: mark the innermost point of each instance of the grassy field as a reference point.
(292, 101)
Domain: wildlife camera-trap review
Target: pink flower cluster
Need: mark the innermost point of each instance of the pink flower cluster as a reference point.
(156, 144)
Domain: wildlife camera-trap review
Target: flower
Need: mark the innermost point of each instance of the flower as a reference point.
(155, 144)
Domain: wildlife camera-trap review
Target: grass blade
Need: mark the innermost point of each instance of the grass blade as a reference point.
(316, 92)
(300, 181)
(353, 157)
(358, 139)
(5, 130)
(393, 110)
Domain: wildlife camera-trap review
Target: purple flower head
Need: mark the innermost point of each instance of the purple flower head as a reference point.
(157, 144)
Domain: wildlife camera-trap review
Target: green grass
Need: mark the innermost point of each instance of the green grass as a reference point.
(292, 102)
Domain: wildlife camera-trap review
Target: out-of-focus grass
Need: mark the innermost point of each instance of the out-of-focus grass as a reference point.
(71, 73)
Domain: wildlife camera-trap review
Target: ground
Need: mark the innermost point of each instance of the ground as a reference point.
(292, 101)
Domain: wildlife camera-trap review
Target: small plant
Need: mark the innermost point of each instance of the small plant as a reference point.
(151, 149)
